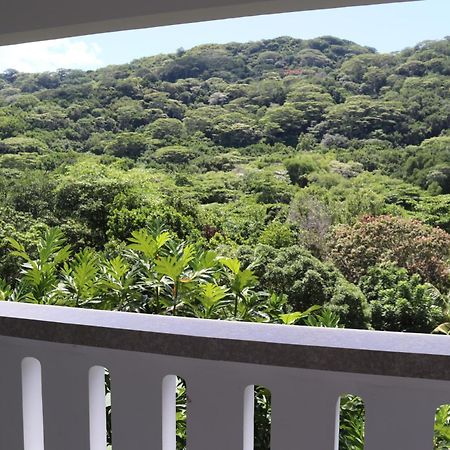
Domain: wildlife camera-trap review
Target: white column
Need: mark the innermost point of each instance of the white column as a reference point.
(169, 412)
(97, 408)
(249, 417)
(33, 425)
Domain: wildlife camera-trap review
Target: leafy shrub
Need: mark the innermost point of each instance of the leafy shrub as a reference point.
(123, 221)
(128, 145)
(277, 235)
(303, 165)
(306, 281)
(401, 302)
(408, 243)
(22, 145)
(174, 155)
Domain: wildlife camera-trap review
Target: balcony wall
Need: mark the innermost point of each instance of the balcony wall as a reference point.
(52, 385)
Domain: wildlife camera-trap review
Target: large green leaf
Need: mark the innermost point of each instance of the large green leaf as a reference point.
(19, 249)
(142, 241)
(174, 265)
(211, 294)
(52, 246)
(244, 279)
(232, 263)
(293, 317)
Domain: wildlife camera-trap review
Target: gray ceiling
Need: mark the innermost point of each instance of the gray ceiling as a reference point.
(32, 20)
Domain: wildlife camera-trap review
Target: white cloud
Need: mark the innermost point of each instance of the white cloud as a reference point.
(51, 55)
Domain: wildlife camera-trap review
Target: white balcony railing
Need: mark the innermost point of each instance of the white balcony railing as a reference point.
(52, 381)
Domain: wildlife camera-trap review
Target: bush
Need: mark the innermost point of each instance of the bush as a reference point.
(22, 145)
(408, 243)
(307, 281)
(401, 302)
(176, 154)
(122, 222)
(303, 165)
(20, 226)
(128, 145)
(277, 235)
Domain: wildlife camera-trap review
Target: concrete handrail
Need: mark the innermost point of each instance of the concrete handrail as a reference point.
(53, 361)
(355, 351)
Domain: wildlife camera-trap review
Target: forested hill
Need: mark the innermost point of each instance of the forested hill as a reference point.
(321, 165)
(236, 95)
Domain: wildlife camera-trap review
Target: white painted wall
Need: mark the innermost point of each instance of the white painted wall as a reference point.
(400, 411)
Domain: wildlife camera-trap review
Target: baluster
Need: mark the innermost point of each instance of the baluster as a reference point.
(32, 404)
(136, 393)
(215, 413)
(65, 394)
(399, 419)
(304, 416)
(11, 425)
(97, 408)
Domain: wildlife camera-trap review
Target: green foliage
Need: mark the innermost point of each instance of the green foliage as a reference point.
(277, 235)
(291, 173)
(283, 145)
(154, 273)
(407, 243)
(88, 201)
(351, 423)
(174, 155)
(263, 414)
(441, 439)
(23, 228)
(284, 123)
(307, 281)
(429, 165)
(293, 317)
(40, 274)
(301, 166)
(123, 220)
(148, 245)
(363, 117)
(166, 130)
(443, 328)
(401, 302)
(240, 222)
(22, 145)
(128, 145)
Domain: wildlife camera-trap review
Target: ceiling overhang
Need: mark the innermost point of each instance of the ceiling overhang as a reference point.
(33, 20)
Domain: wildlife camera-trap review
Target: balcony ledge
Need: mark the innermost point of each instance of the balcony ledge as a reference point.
(339, 350)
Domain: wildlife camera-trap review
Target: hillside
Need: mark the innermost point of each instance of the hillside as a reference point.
(269, 91)
(322, 164)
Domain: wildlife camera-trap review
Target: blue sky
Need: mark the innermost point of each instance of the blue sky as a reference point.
(389, 27)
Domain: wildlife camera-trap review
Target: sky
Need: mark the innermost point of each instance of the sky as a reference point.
(388, 28)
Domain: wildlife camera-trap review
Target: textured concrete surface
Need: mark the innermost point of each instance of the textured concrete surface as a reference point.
(354, 351)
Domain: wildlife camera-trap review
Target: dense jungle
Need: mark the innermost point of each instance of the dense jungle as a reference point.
(299, 182)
